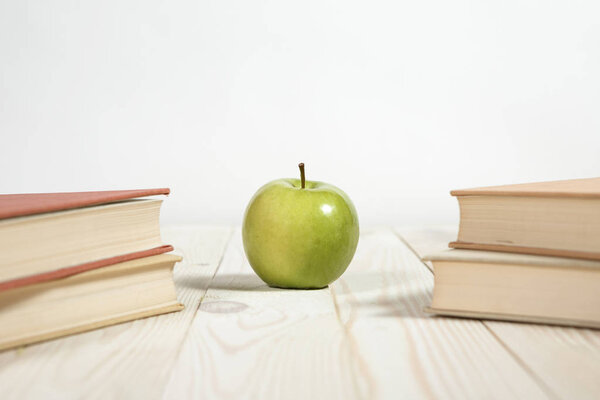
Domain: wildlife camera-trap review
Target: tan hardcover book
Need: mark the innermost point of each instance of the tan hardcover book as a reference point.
(121, 292)
(517, 287)
(560, 218)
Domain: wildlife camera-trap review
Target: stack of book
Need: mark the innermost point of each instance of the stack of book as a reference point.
(528, 252)
(71, 262)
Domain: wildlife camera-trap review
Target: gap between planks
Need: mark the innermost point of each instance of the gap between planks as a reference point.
(252, 341)
(369, 386)
(187, 330)
(379, 301)
(538, 379)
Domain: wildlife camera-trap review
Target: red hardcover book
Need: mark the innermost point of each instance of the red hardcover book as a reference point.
(47, 236)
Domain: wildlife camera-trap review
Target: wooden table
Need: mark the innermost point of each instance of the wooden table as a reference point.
(364, 337)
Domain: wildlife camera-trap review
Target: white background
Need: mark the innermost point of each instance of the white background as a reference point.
(396, 102)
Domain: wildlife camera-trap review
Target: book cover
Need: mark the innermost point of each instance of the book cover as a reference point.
(19, 205)
(586, 187)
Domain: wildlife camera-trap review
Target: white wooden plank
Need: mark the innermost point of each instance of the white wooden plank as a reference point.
(126, 360)
(408, 354)
(566, 360)
(427, 240)
(254, 342)
(250, 341)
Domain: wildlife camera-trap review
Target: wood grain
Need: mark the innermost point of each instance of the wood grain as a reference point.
(254, 342)
(128, 360)
(408, 354)
(564, 360)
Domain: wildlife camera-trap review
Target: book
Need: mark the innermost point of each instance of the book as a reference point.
(52, 235)
(559, 218)
(120, 292)
(516, 287)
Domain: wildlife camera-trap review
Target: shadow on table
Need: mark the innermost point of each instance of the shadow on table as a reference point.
(238, 282)
(403, 305)
(383, 294)
(361, 292)
(366, 292)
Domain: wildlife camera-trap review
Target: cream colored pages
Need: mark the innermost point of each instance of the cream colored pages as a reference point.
(46, 242)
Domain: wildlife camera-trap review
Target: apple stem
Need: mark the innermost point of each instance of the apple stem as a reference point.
(301, 166)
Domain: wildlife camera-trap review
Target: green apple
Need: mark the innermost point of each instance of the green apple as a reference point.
(300, 234)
